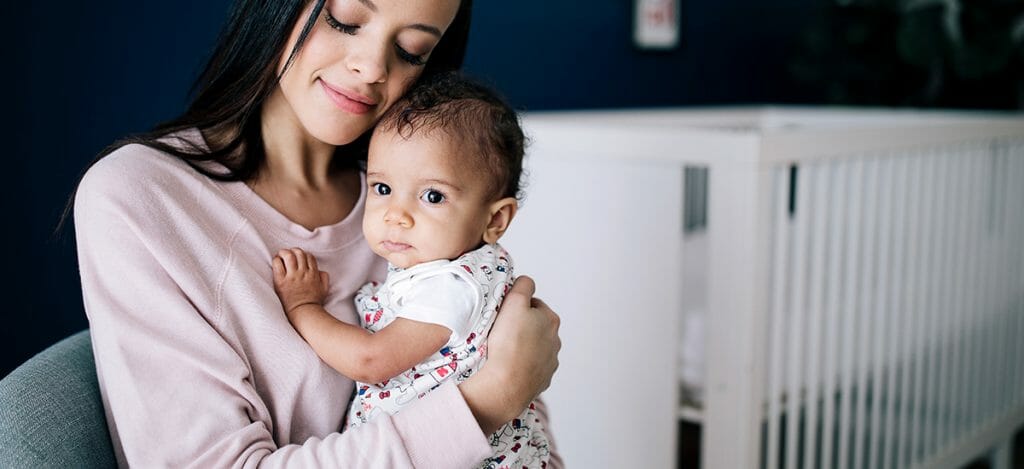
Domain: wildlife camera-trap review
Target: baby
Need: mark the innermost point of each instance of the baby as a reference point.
(443, 176)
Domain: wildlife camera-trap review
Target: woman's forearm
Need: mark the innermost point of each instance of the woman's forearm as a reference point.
(489, 401)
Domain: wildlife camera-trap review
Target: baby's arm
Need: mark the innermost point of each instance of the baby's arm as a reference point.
(351, 350)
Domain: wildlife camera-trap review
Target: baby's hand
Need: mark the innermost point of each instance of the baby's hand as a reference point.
(297, 280)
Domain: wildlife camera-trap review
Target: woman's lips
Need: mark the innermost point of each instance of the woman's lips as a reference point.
(347, 100)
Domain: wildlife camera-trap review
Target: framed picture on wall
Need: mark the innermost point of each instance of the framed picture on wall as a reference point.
(656, 24)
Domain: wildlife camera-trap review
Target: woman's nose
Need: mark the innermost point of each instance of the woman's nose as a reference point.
(369, 62)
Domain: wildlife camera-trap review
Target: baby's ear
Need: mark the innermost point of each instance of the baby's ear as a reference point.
(502, 212)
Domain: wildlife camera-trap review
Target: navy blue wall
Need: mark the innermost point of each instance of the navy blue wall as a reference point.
(555, 55)
(82, 74)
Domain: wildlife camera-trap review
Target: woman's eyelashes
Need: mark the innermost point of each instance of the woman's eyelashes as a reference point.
(418, 60)
(333, 22)
(351, 29)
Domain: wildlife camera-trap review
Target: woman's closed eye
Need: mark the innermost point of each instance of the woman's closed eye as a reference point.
(417, 60)
(333, 22)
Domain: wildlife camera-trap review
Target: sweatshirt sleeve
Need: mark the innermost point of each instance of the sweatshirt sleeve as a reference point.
(177, 393)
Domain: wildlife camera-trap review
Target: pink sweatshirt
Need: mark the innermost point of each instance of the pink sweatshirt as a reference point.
(198, 365)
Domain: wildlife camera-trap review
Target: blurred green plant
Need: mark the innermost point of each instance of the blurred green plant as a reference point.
(922, 53)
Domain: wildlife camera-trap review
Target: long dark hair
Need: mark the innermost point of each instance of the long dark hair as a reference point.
(238, 78)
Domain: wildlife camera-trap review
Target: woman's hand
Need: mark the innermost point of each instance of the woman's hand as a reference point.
(522, 355)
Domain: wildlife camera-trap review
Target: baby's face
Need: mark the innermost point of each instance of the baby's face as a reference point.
(423, 203)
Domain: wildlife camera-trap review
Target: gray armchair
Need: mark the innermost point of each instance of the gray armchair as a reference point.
(50, 410)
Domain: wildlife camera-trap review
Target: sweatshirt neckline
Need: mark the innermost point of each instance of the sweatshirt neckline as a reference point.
(322, 238)
(268, 219)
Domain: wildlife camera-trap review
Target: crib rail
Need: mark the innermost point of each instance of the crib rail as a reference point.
(876, 317)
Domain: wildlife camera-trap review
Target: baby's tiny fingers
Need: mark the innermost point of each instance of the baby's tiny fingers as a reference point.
(300, 258)
(311, 262)
(288, 258)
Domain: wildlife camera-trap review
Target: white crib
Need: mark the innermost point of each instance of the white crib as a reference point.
(857, 277)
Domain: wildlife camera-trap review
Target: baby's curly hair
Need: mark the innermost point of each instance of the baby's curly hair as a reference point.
(473, 114)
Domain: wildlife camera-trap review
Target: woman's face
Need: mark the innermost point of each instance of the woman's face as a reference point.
(358, 59)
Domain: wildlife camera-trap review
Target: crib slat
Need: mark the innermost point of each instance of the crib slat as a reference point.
(968, 308)
(976, 311)
(925, 304)
(975, 308)
(1000, 298)
(988, 305)
(950, 270)
(947, 258)
(779, 287)
(1003, 324)
(977, 336)
(1000, 290)
(922, 303)
(1018, 288)
(963, 270)
(797, 305)
(940, 371)
(940, 226)
(896, 317)
(836, 214)
(993, 310)
(1003, 270)
(946, 271)
(1010, 236)
(936, 218)
(879, 310)
(1005, 256)
(852, 261)
(951, 289)
(1007, 324)
(867, 295)
(911, 279)
(1015, 188)
(1016, 161)
(818, 207)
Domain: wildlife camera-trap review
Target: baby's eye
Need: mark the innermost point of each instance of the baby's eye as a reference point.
(432, 197)
(381, 189)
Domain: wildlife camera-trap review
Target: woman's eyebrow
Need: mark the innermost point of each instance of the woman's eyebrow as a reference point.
(418, 26)
(426, 28)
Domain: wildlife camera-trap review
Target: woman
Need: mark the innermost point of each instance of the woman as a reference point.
(197, 364)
